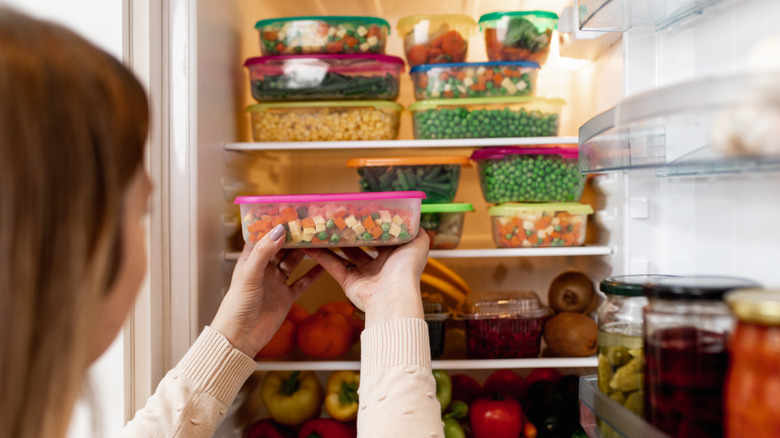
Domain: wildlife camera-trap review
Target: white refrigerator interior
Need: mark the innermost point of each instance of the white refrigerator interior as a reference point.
(668, 201)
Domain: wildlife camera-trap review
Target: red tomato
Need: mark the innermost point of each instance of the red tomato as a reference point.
(492, 418)
(507, 383)
(465, 388)
(550, 374)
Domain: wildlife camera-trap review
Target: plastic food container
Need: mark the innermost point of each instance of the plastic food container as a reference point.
(435, 315)
(322, 34)
(325, 121)
(527, 225)
(486, 117)
(474, 79)
(529, 174)
(324, 77)
(444, 223)
(332, 220)
(518, 36)
(503, 325)
(436, 39)
(438, 177)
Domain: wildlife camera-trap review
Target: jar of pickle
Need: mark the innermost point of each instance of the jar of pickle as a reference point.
(687, 326)
(621, 363)
(753, 382)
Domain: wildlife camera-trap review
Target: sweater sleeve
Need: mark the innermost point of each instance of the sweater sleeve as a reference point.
(397, 389)
(192, 399)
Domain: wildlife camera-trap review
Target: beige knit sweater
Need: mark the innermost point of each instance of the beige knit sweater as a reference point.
(397, 389)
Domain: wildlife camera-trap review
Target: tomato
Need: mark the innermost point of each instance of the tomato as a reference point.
(270, 35)
(492, 417)
(506, 383)
(452, 43)
(325, 335)
(281, 344)
(465, 388)
(417, 55)
(550, 374)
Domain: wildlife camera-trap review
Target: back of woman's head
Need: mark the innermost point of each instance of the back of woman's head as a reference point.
(73, 123)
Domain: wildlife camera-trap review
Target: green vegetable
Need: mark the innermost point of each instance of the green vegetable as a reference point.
(438, 181)
(332, 86)
(460, 122)
(531, 178)
(520, 32)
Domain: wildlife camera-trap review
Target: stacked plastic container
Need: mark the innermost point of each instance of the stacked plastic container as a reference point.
(458, 99)
(324, 78)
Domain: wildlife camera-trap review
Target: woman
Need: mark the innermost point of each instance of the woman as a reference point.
(73, 196)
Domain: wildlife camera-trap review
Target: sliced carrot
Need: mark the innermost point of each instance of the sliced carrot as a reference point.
(339, 222)
(316, 239)
(368, 223)
(516, 221)
(555, 235)
(376, 232)
(340, 212)
(488, 74)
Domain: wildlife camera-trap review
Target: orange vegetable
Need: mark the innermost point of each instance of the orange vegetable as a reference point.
(279, 47)
(461, 75)
(417, 55)
(515, 241)
(368, 223)
(350, 41)
(422, 81)
(270, 35)
(307, 222)
(297, 314)
(529, 430)
(339, 222)
(348, 310)
(376, 232)
(281, 344)
(325, 335)
(452, 43)
(280, 220)
(254, 238)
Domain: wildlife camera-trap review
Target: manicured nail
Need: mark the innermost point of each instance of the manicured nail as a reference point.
(276, 233)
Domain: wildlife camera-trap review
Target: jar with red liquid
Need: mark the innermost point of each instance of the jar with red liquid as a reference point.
(753, 382)
(687, 328)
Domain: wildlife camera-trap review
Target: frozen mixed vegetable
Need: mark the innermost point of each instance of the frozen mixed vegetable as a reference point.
(472, 79)
(517, 174)
(518, 36)
(444, 223)
(530, 225)
(322, 34)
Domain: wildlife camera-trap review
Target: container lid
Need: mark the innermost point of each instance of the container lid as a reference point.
(328, 197)
(459, 207)
(497, 153)
(406, 23)
(408, 161)
(435, 103)
(512, 208)
(425, 67)
(348, 18)
(493, 305)
(385, 59)
(434, 307)
(755, 305)
(498, 15)
(701, 287)
(378, 104)
(628, 285)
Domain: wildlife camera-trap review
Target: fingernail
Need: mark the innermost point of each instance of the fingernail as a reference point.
(276, 233)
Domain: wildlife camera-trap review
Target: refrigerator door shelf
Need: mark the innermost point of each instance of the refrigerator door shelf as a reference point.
(621, 15)
(706, 126)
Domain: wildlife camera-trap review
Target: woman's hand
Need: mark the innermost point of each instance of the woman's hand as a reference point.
(259, 297)
(386, 287)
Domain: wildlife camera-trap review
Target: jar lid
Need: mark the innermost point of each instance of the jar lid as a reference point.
(628, 285)
(493, 305)
(755, 305)
(696, 287)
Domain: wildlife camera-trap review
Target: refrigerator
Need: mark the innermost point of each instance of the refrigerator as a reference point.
(648, 85)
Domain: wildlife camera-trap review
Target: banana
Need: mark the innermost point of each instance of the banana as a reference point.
(439, 269)
(448, 290)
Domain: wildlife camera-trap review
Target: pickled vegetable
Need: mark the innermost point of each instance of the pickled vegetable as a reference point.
(621, 369)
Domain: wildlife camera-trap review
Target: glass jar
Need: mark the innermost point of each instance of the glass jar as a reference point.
(435, 314)
(753, 382)
(687, 325)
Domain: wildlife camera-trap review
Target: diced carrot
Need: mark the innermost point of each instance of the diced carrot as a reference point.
(533, 239)
(577, 227)
(461, 75)
(364, 211)
(368, 223)
(568, 239)
(258, 226)
(290, 213)
(497, 78)
(273, 211)
(515, 241)
(339, 222)
(340, 212)
(307, 222)
(488, 75)
(253, 238)
(422, 81)
(280, 220)
(376, 232)
(448, 94)
(443, 76)
(316, 239)
(508, 72)
(555, 235)
(516, 221)
(563, 222)
(478, 87)
(279, 47)
(504, 242)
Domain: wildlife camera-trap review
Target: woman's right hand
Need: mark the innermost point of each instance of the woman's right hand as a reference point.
(386, 287)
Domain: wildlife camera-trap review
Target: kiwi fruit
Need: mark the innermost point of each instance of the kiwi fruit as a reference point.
(571, 291)
(570, 334)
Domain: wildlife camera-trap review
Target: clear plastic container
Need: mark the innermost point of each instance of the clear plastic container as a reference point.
(325, 121)
(519, 35)
(435, 315)
(687, 329)
(324, 77)
(503, 324)
(486, 117)
(322, 34)
(532, 225)
(529, 174)
(471, 79)
(436, 39)
(444, 223)
(438, 177)
(333, 220)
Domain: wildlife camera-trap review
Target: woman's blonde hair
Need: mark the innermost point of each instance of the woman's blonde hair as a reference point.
(73, 124)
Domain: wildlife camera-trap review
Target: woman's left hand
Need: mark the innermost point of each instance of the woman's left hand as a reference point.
(259, 297)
